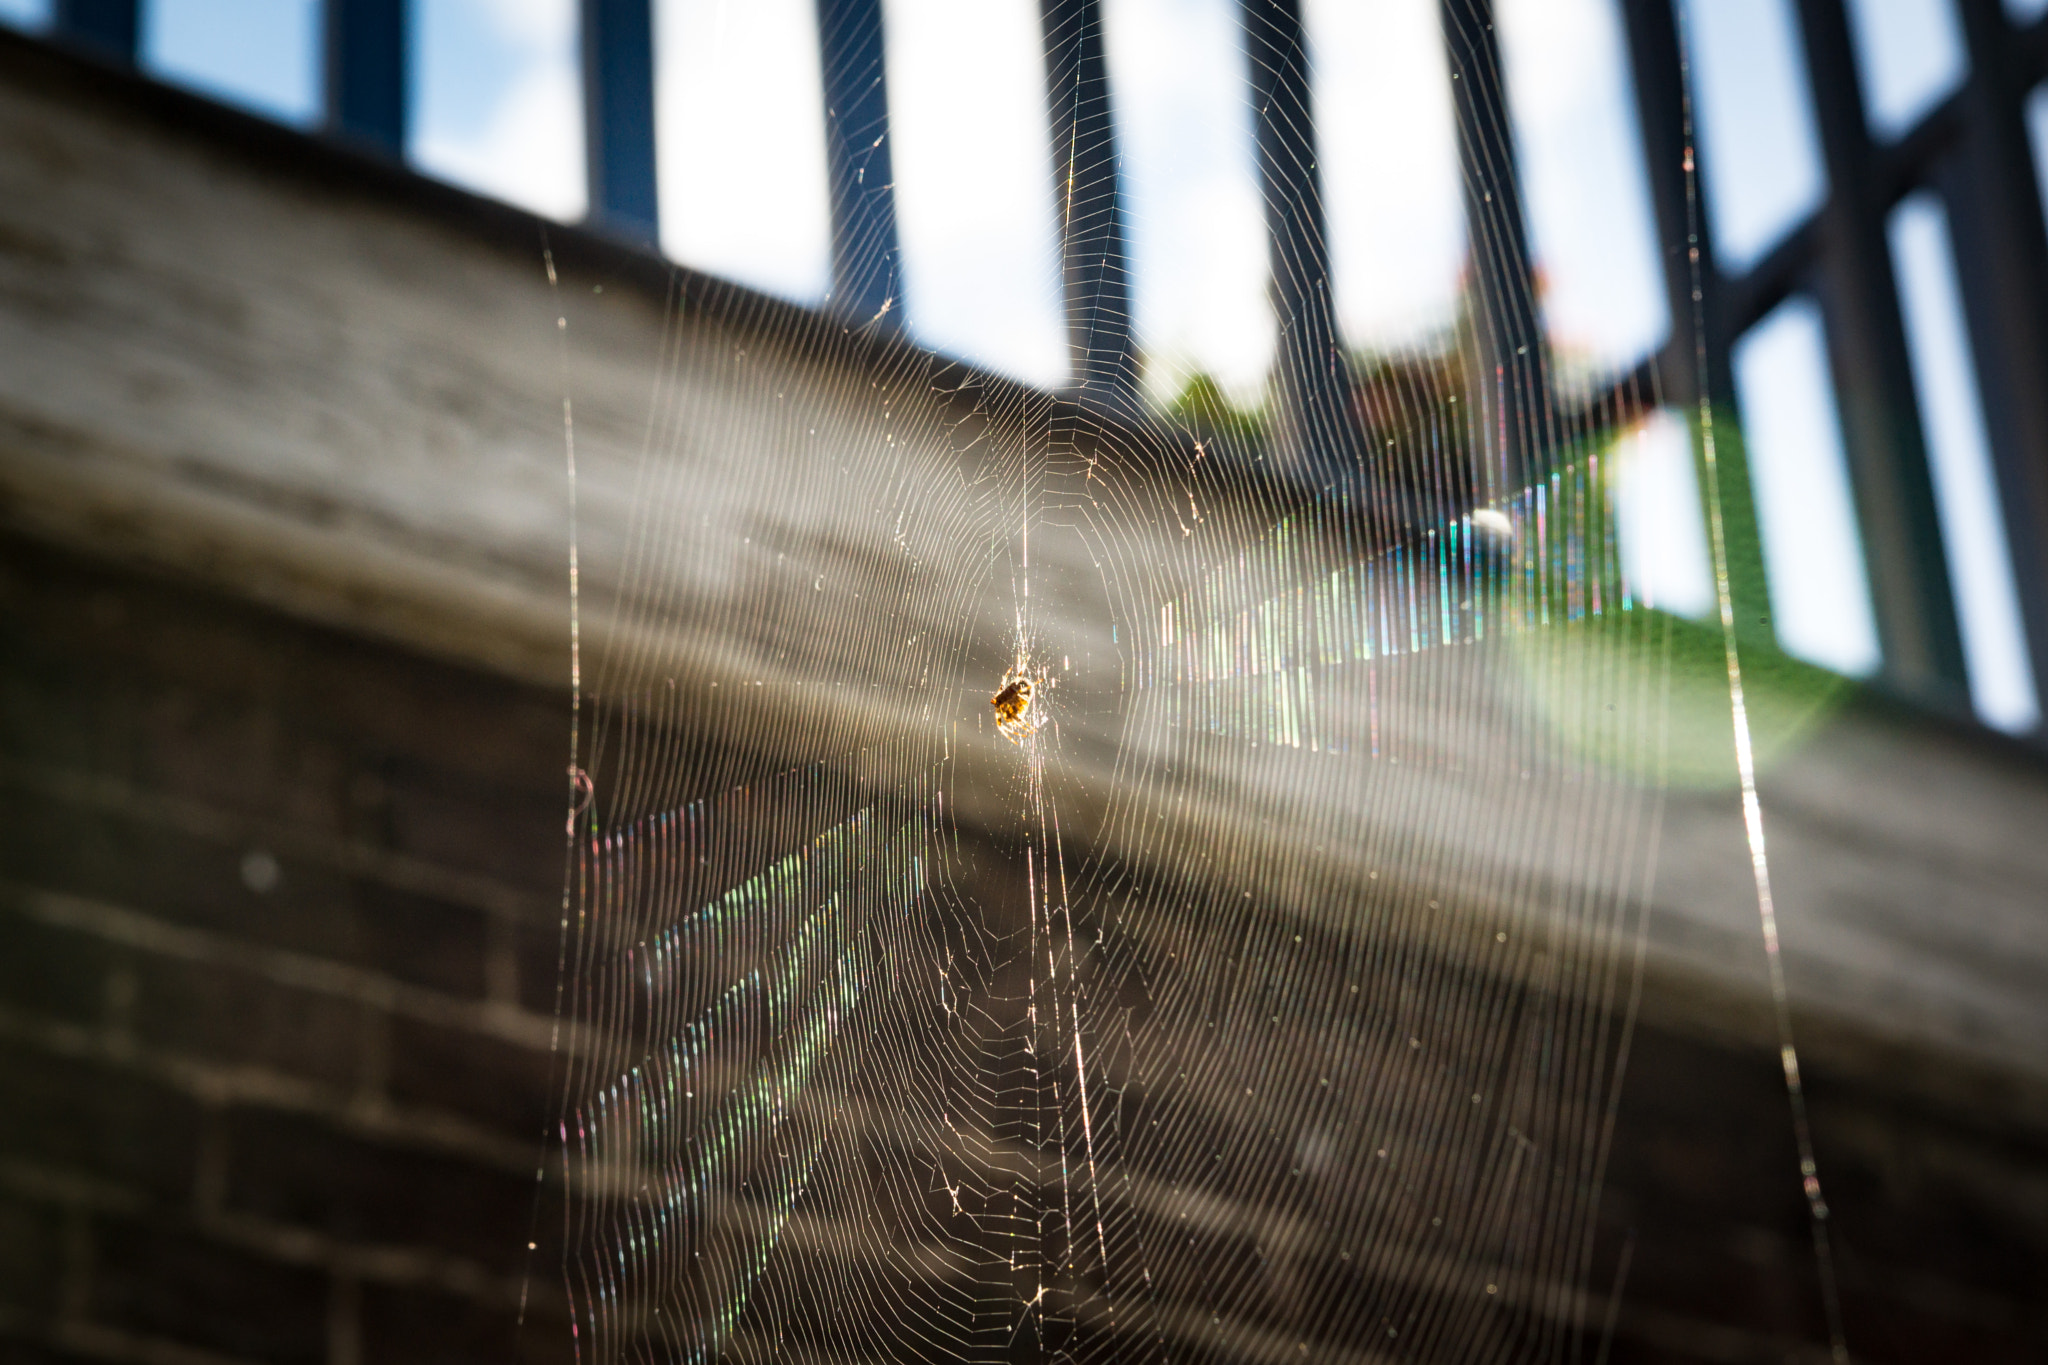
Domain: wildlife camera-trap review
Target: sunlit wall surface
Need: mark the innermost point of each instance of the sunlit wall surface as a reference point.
(1389, 163)
(1599, 282)
(1813, 553)
(261, 54)
(494, 100)
(1760, 146)
(972, 155)
(1909, 53)
(1180, 87)
(1965, 488)
(740, 143)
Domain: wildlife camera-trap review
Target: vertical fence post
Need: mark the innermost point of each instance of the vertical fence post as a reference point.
(106, 28)
(1315, 434)
(1685, 243)
(866, 262)
(2001, 248)
(365, 63)
(618, 117)
(1909, 583)
(1094, 254)
(1508, 381)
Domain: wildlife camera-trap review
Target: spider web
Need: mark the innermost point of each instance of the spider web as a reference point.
(1268, 1000)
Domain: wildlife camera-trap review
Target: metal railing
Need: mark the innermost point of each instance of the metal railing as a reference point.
(1972, 151)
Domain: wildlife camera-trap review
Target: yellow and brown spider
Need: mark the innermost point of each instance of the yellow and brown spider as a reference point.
(1013, 708)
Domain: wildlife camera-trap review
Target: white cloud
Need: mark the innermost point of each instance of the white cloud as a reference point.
(1180, 86)
(1389, 162)
(740, 142)
(972, 158)
(1592, 229)
(499, 100)
(540, 24)
(1662, 527)
(530, 150)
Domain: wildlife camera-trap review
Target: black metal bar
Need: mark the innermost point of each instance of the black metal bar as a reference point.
(618, 117)
(1094, 256)
(1785, 270)
(1897, 170)
(2029, 48)
(1700, 335)
(866, 260)
(1508, 372)
(1909, 582)
(2001, 249)
(106, 28)
(365, 62)
(1315, 430)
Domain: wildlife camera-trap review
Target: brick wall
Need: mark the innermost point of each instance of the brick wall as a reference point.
(278, 934)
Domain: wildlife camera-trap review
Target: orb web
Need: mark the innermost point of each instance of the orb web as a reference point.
(1266, 998)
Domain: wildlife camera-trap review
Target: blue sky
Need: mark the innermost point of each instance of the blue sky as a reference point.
(262, 54)
(496, 99)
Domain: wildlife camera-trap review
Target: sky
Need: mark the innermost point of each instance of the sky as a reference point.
(28, 14)
(495, 100)
(1965, 487)
(1910, 54)
(494, 93)
(1180, 93)
(971, 152)
(1813, 555)
(1591, 226)
(739, 138)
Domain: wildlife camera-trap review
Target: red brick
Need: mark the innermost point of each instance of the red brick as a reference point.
(504, 1085)
(51, 973)
(312, 909)
(294, 1170)
(97, 1119)
(401, 1326)
(231, 1016)
(158, 1279)
(32, 1259)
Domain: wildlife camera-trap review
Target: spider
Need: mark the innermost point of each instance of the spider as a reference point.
(1013, 708)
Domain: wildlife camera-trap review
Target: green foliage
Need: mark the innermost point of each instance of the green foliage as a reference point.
(1645, 693)
(1202, 407)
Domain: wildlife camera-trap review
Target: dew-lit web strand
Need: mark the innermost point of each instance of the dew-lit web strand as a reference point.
(576, 778)
(1745, 756)
(583, 818)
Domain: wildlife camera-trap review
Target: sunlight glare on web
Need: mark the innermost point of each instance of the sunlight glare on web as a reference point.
(1594, 239)
(1813, 554)
(740, 143)
(1182, 96)
(261, 54)
(972, 152)
(1909, 53)
(495, 100)
(1759, 141)
(1389, 166)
